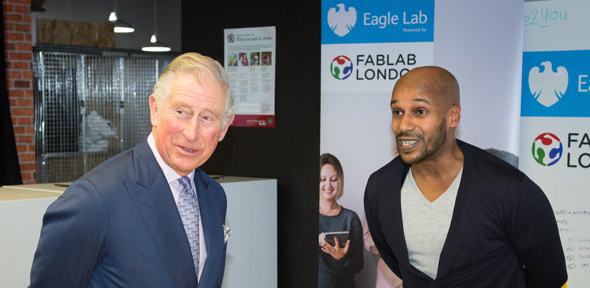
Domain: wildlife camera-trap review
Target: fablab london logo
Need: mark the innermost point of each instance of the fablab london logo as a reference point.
(548, 86)
(341, 67)
(341, 19)
(548, 149)
(368, 67)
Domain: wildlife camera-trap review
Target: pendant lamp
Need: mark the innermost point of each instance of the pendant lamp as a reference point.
(155, 45)
(120, 25)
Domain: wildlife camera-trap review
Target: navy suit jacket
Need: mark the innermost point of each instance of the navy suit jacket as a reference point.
(118, 226)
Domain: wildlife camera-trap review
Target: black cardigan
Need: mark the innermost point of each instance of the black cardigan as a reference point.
(503, 231)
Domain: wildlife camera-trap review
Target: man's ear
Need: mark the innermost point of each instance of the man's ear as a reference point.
(154, 115)
(224, 129)
(454, 116)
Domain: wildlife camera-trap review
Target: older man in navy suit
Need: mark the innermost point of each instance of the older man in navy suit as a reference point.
(148, 217)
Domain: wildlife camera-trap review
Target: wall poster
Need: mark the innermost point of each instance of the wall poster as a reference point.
(250, 63)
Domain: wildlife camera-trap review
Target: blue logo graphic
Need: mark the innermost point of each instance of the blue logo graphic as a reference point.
(376, 21)
(341, 21)
(548, 86)
(556, 84)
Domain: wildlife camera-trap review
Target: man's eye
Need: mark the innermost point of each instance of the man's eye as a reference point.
(208, 118)
(397, 113)
(421, 112)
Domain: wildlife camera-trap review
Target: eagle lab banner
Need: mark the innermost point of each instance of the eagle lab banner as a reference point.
(555, 120)
(368, 45)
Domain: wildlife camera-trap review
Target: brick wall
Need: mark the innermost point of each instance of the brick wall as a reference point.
(18, 47)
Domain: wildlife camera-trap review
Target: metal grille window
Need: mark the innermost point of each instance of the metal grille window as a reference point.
(90, 105)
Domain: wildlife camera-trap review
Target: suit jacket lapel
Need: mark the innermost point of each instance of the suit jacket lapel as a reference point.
(153, 198)
(213, 229)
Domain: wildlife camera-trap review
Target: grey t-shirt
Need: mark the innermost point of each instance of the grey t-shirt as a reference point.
(426, 223)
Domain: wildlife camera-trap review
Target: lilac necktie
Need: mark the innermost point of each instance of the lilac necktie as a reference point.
(188, 207)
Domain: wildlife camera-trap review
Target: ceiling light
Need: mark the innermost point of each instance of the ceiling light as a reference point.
(120, 25)
(155, 45)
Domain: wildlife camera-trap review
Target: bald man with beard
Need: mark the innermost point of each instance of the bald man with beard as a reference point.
(448, 214)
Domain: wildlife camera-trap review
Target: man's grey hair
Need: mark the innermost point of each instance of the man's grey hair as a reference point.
(206, 71)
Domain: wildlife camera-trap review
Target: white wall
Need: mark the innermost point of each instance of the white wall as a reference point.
(480, 42)
(139, 13)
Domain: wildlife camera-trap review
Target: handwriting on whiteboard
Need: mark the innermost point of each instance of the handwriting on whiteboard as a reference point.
(545, 17)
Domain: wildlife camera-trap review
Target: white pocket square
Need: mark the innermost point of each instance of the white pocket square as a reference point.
(226, 233)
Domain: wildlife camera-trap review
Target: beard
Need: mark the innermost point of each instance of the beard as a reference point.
(431, 145)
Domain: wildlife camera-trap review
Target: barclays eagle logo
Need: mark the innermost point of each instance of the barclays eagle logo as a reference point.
(341, 21)
(548, 87)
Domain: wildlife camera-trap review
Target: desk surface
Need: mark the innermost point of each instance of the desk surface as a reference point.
(47, 190)
(31, 191)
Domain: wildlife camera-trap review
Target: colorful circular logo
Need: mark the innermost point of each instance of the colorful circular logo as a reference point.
(547, 149)
(341, 67)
